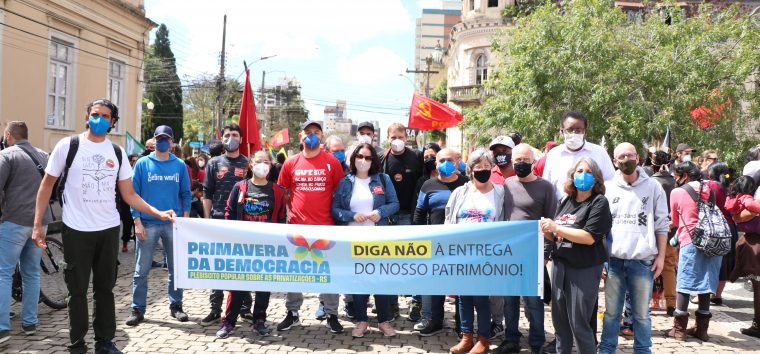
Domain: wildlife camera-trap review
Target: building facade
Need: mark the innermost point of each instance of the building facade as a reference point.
(432, 32)
(56, 56)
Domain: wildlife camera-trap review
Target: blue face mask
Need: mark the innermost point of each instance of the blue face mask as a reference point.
(163, 145)
(340, 155)
(98, 125)
(584, 181)
(311, 141)
(462, 167)
(446, 168)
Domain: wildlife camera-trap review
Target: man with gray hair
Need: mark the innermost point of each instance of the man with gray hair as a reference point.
(526, 197)
(21, 170)
(334, 146)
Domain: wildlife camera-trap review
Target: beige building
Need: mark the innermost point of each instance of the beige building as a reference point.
(469, 58)
(432, 32)
(56, 56)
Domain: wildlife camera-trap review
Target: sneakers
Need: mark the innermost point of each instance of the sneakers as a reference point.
(334, 324)
(395, 313)
(29, 330)
(247, 316)
(421, 324)
(431, 329)
(320, 313)
(551, 347)
(135, 318)
(124, 247)
(415, 312)
(225, 330)
(387, 329)
(496, 330)
(507, 347)
(106, 347)
(213, 317)
(179, 314)
(260, 327)
(5, 336)
(290, 321)
(360, 330)
(349, 310)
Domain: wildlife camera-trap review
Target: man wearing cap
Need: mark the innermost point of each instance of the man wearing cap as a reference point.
(161, 179)
(222, 172)
(501, 147)
(560, 160)
(683, 154)
(310, 177)
(365, 133)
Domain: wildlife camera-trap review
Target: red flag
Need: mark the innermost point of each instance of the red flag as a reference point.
(429, 114)
(249, 139)
(281, 138)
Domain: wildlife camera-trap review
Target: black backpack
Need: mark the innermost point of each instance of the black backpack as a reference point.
(712, 234)
(73, 147)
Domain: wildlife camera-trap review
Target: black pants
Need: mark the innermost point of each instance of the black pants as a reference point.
(235, 303)
(84, 253)
(127, 223)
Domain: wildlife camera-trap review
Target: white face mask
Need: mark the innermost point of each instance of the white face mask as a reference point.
(362, 165)
(397, 145)
(260, 170)
(686, 158)
(201, 163)
(364, 139)
(574, 141)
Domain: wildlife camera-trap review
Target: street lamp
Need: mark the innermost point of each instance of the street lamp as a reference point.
(414, 87)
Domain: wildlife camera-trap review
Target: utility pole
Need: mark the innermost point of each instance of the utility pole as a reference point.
(265, 119)
(220, 81)
(427, 72)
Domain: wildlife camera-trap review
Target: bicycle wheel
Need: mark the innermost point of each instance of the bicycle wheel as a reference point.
(53, 291)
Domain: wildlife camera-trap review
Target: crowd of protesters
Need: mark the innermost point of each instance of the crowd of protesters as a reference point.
(626, 219)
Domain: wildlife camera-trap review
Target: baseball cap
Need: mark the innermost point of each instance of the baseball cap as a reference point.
(683, 146)
(502, 140)
(366, 125)
(310, 122)
(164, 130)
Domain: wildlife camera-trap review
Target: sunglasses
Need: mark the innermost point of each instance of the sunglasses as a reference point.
(366, 158)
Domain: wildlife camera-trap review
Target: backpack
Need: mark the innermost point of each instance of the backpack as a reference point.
(60, 184)
(712, 234)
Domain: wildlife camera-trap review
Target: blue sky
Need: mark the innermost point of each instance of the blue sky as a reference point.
(338, 49)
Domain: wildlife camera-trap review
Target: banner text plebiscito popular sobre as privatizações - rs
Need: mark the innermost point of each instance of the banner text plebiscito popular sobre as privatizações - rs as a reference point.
(497, 258)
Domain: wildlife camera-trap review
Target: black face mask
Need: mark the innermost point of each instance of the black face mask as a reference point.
(482, 176)
(430, 163)
(523, 169)
(503, 159)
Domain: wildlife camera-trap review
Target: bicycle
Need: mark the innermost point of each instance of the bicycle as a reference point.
(53, 291)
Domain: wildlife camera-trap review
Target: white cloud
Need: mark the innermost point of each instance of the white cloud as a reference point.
(375, 66)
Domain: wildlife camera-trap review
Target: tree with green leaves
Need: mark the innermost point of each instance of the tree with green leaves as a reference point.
(289, 114)
(631, 78)
(199, 101)
(162, 87)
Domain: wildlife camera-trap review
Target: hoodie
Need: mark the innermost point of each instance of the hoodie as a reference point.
(163, 184)
(639, 213)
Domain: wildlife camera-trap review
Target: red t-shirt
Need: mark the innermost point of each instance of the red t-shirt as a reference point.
(311, 182)
(497, 177)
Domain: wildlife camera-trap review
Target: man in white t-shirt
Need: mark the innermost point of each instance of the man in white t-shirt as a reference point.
(561, 159)
(91, 221)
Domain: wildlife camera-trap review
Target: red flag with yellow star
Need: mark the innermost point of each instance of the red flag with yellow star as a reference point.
(429, 114)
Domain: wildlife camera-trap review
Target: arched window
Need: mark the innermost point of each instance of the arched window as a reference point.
(481, 69)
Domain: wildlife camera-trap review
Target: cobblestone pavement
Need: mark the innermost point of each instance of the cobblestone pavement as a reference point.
(162, 334)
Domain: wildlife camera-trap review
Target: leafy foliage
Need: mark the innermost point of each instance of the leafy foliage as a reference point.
(631, 79)
(200, 105)
(162, 87)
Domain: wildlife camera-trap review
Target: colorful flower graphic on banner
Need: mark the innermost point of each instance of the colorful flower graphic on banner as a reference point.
(315, 249)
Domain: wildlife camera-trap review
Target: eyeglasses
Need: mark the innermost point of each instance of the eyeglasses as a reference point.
(365, 158)
(574, 131)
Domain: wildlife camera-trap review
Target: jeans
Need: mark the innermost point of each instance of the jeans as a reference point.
(143, 264)
(636, 277)
(90, 253)
(467, 307)
(293, 302)
(432, 308)
(534, 311)
(17, 246)
(382, 303)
